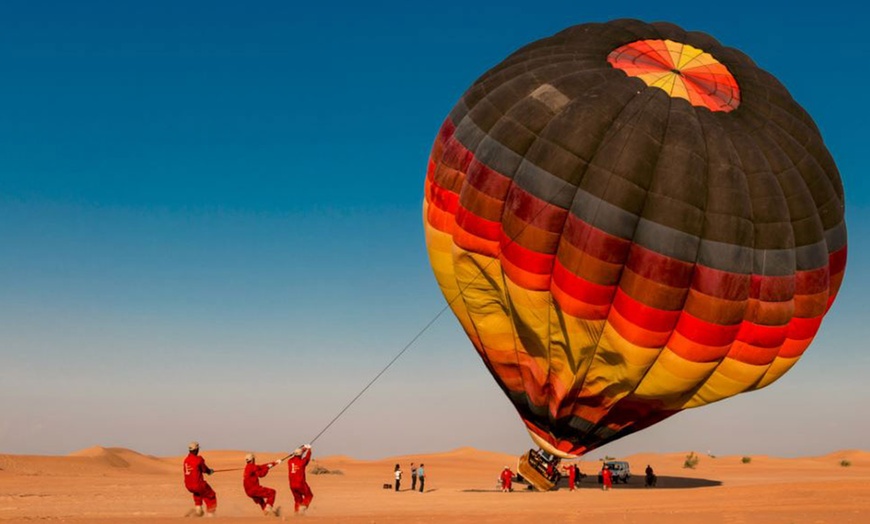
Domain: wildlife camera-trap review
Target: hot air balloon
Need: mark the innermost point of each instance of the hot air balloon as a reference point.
(628, 220)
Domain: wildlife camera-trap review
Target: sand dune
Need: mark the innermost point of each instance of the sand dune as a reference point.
(107, 484)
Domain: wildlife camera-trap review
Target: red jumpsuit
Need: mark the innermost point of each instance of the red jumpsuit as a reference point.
(607, 478)
(261, 495)
(572, 475)
(194, 467)
(298, 486)
(507, 478)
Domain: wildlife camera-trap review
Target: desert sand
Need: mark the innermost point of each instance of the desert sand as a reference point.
(100, 485)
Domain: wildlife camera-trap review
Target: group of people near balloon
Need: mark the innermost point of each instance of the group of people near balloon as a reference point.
(574, 475)
(195, 469)
(416, 473)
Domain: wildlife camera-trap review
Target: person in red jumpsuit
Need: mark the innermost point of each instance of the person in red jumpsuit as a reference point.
(194, 468)
(507, 477)
(298, 486)
(606, 478)
(261, 495)
(572, 475)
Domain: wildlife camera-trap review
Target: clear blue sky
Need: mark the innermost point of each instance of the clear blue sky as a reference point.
(210, 225)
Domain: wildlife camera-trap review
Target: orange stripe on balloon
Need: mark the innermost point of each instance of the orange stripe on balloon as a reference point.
(526, 259)
(706, 333)
(751, 354)
(588, 267)
(526, 279)
(474, 243)
(440, 219)
(811, 305)
(581, 289)
(760, 335)
(769, 313)
(640, 314)
(634, 333)
(578, 308)
(651, 293)
(440, 197)
(481, 204)
(695, 352)
(804, 328)
(794, 348)
(477, 226)
(713, 309)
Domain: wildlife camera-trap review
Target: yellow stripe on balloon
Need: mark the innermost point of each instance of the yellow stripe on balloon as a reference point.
(670, 377)
(730, 378)
(777, 369)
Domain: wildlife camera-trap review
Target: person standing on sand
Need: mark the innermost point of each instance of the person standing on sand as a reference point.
(606, 478)
(413, 477)
(572, 475)
(261, 495)
(507, 477)
(194, 468)
(296, 465)
(421, 476)
(398, 474)
(650, 478)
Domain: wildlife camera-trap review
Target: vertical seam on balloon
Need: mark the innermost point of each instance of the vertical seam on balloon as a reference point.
(689, 395)
(776, 128)
(745, 173)
(576, 189)
(549, 200)
(777, 177)
(695, 113)
(598, 424)
(650, 93)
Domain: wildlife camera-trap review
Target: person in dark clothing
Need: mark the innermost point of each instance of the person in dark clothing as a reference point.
(650, 480)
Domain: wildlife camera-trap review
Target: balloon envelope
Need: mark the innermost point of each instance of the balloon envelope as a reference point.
(629, 220)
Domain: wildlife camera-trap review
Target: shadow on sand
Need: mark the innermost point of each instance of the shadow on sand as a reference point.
(662, 482)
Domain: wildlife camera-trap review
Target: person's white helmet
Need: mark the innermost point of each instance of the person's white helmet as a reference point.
(249, 457)
(193, 446)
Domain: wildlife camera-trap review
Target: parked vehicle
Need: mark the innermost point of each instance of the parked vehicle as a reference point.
(620, 469)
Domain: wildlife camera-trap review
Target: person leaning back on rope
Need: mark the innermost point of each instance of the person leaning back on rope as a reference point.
(296, 464)
(261, 495)
(194, 468)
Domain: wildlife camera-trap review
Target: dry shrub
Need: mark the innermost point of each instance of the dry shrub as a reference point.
(317, 469)
(691, 460)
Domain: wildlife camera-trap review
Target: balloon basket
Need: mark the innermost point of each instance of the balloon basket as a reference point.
(539, 469)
